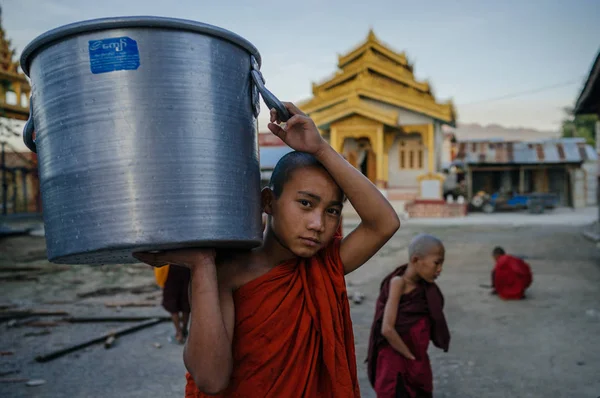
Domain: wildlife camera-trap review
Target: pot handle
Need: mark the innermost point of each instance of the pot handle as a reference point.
(29, 129)
(269, 98)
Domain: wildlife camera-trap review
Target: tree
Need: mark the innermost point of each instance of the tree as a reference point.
(582, 126)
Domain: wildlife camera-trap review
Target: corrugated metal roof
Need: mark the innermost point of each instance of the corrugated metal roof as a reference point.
(270, 155)
(269, 139)
(19, 159)
(550, 152)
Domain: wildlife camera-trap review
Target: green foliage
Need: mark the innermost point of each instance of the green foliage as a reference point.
(582, 126)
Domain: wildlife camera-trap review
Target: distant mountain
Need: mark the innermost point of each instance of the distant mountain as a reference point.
(474, 131)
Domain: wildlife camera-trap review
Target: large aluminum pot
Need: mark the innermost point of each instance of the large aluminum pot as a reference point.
(145, 130)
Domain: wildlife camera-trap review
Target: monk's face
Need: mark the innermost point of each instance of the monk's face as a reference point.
(429, 267)
(307, 213)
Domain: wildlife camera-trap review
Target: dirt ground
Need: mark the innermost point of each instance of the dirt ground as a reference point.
(545, 346)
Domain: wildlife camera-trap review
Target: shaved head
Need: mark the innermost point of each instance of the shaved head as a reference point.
(498, 251)
(423, 245)
(289, 163)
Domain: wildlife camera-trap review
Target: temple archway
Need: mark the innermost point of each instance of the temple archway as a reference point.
(360, 154)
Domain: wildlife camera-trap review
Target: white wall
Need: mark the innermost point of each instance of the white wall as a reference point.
(591, 170)
(598, 139)
(578, 183)
(446, 151)
(439, 146)
(405, 116)
(16, 142)
(403, 178)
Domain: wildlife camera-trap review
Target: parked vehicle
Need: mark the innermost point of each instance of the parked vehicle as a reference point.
(535, 203)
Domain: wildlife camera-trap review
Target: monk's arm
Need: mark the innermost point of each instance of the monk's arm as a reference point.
(379, 220)
(388, 326)
(207, 354)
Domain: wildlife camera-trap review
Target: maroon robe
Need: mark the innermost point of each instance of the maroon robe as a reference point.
(510, 277)
(420, 319)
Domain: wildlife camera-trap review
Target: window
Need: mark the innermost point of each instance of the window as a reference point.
(411, 155)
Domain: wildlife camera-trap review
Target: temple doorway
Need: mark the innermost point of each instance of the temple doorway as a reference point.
(360, 154)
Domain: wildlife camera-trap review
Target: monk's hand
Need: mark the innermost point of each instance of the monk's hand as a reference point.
(190, 258)
(299, 132)
(408, 355)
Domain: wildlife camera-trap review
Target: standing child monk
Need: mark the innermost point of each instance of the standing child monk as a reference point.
(275, 321)
(511, 276)
(174, 282)
(176, 300)
(408, 313)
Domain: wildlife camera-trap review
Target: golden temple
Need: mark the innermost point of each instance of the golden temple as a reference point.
(384, 121)
(12, 80)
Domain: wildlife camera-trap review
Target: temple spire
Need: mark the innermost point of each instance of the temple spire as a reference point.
(12, 81)
(7, 63)
(371, 36)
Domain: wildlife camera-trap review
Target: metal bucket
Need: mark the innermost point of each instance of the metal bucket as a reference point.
(145, 130)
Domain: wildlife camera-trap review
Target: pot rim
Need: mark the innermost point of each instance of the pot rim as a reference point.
(99, 24)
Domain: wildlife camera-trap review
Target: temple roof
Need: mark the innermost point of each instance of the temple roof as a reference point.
(9, 68)
(375, 72)
(354, 105)
(11, 79)
(372, 43)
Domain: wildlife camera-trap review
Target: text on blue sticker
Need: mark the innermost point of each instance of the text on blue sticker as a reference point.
(109, 55)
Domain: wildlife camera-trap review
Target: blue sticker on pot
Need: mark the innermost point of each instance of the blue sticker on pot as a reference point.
(109, 55)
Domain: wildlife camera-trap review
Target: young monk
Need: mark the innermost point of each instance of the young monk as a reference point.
(275, 321)
(408, 313)
(176, 300)
(511, 276)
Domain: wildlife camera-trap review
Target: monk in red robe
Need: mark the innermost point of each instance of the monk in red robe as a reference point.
(275, 321)
(408, 314)
(511, 276)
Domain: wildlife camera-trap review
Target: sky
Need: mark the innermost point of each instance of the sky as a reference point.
(513, 63)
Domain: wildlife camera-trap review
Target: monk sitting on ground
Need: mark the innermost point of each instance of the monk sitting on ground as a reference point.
(275, 321)
(511, 276)
(408, 313)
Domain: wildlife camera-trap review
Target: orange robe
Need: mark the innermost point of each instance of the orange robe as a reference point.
(293, 334)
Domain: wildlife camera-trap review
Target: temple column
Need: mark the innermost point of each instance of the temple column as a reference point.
(430, 148)
(388, 142)
(335, 140)
(386, 167)
(379, 150)
(17, 87)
